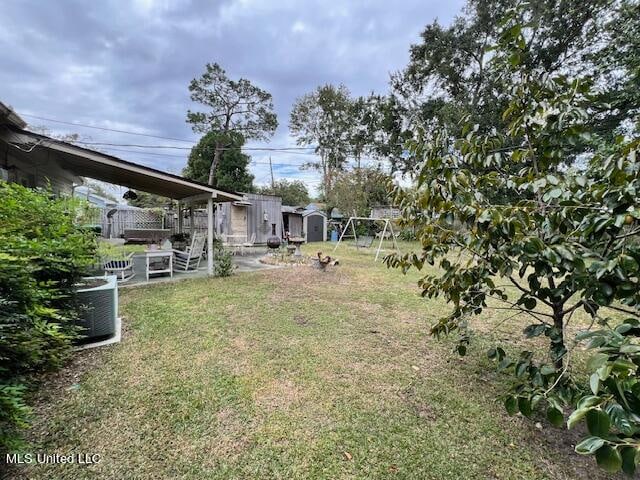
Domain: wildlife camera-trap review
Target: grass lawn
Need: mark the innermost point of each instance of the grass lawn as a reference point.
(293, 373)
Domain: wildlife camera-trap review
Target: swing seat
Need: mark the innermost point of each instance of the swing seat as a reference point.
(364, 241)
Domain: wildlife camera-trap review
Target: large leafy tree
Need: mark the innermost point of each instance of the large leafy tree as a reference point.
(447, 79)
(322, 119)
(354, 192)
(569, 243)
(233, 168)
(292, 192)
(233, 107)
(617, 72)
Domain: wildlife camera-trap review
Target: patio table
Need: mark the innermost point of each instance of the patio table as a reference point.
(159, 254)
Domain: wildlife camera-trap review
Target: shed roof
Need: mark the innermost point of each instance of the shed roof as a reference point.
(308, 212)
(292, 209)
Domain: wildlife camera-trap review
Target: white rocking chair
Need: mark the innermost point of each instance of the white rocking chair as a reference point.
(189, 260)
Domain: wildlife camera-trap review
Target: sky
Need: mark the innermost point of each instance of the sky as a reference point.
(126, 65)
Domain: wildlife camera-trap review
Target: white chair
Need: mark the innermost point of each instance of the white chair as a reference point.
(189, 260)
(248, 244)
(121, 268)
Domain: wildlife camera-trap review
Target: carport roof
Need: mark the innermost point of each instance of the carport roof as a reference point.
(84, 162)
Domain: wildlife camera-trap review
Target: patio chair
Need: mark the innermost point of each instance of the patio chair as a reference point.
(189, 260)
(121, 268)
(248, 244)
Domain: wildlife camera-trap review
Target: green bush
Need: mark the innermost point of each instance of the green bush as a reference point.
(407, 235)
(222, 260)
(42, 256)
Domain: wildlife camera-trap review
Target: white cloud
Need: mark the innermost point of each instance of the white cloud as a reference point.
(298, 27)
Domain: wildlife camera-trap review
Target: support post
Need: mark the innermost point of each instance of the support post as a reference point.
(393, 236)
(355, 235)
(179, 216)
(384, 230)
(342, 234)
(210, 236)
(192, 229)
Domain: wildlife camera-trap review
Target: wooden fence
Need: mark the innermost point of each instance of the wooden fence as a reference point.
(148, 218)
(199, 221)
(129, 219)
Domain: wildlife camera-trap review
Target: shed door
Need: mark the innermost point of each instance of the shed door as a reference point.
(295, 225)
(315, 228)
(238, 223)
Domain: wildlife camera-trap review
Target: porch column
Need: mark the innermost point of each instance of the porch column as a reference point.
(192, 227)
(179, 216)
(210, 236)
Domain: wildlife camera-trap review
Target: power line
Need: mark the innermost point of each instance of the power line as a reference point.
(184, 157)
(128, 132)
(106, 129)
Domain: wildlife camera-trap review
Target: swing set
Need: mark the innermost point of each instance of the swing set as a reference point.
(387, 227)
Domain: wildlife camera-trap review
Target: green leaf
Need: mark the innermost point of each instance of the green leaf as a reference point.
(598, 422)
(589, 445)
(534, 330)
(555, 416)
(619, 418)
(609, 459)
(576, 416)
(628, 348)
(597, 360)
(530, 303)
(629, 455)
(524, 405)
(589, 401)
(547, 370)
(511, 405)
(594, 383)
(521, 368)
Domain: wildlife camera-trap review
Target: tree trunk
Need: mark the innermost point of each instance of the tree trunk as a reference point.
(558, 322)
(214, 163)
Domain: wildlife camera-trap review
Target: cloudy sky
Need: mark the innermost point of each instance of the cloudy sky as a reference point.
(126, 65)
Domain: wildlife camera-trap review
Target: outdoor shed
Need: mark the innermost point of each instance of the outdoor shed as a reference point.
(255, 217)
(292, 221)
(314, 225)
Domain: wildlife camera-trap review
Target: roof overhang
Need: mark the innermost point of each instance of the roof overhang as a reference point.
(107, 168)
(10, 117)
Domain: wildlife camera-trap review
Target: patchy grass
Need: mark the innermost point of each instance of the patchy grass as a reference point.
(294, 373)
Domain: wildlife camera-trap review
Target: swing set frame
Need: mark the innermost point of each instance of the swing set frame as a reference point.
(387, 226)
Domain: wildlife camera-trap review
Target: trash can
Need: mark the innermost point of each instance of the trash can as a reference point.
(334, 236)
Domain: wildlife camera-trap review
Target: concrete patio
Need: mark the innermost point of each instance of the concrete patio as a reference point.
(243, 263)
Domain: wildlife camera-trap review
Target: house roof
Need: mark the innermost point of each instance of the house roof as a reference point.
(107, 168)
(9, 117)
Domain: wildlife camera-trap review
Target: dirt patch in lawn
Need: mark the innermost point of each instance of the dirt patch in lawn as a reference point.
(280, 394)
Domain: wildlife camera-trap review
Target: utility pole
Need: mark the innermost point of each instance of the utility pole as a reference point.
(273, 184)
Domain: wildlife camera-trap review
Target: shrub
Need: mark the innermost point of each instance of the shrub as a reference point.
(42, 256)
(222, 261)
(407, 234)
